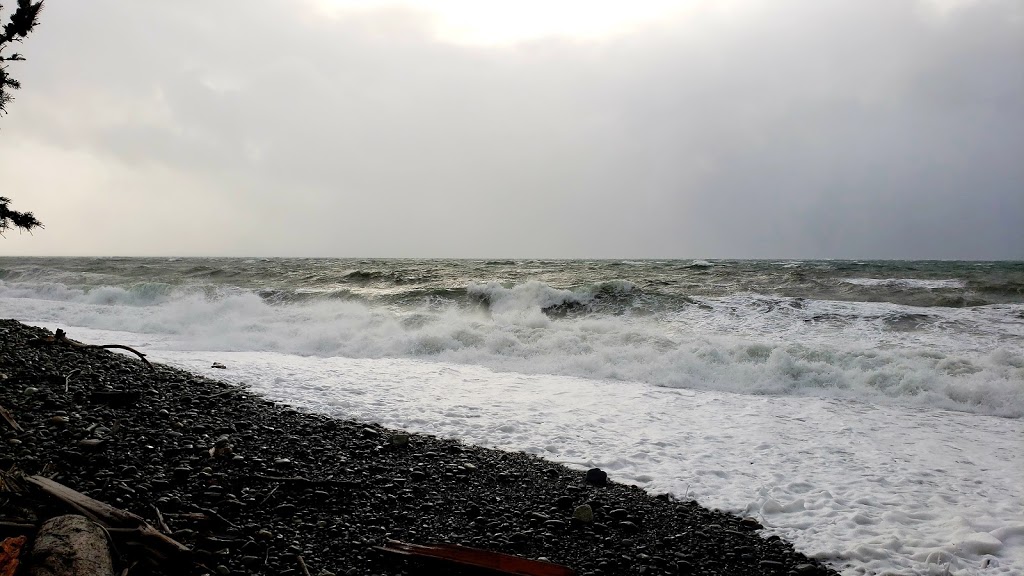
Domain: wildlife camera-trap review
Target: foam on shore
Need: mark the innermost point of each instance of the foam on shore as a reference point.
(871, 489)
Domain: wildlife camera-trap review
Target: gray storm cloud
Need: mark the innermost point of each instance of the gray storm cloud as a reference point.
(786, 129)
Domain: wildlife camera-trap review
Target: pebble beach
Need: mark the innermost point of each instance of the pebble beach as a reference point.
(250, 486)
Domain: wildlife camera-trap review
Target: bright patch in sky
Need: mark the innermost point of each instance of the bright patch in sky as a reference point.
(497, 22)
(503, 22)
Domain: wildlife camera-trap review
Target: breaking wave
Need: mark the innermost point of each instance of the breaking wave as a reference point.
(963, 359)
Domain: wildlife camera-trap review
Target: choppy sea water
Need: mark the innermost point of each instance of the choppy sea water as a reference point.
(870, 412)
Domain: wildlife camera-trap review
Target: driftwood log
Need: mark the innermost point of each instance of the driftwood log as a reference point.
(70, 545)
(157, 547)
(60, 338)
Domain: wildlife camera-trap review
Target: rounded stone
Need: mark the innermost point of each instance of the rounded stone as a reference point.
(583, 513)
(597, 477)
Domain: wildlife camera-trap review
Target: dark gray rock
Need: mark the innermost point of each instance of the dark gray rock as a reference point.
(619, 514)
(628, 527)
(596, 477)
(286, 510)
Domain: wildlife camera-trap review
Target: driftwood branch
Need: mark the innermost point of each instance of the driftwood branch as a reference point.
(16, 529)
(61, 338)
(9, 481)
(67, 379)
(159, 548)
(221, 393)
(190, 516)
(160, 519)
(211, 514)
(9, 419)
(305, 481)
(264, 501)
(473, 560)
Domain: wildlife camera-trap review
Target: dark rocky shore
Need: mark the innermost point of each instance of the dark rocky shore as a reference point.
(251, 485)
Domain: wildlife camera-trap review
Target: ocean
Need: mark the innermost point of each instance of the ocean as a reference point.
(870, 412)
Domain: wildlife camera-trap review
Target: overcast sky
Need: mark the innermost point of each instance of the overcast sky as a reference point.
(470, 128)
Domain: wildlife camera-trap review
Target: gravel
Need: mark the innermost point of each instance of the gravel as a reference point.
(251, 485)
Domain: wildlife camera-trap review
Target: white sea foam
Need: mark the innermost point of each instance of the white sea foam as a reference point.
(964, 359)
(835, 442)
(871, 489)
(836, 437)
(907, 283)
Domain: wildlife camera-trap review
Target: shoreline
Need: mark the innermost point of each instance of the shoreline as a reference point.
(365, 486)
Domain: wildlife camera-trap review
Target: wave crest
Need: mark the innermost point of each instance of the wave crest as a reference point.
(745, 344)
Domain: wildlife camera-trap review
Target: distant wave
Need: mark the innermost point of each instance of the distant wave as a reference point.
(907, 283)
(664, 283)
(141, 294)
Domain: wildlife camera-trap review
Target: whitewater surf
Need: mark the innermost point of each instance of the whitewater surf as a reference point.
(870, 412)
